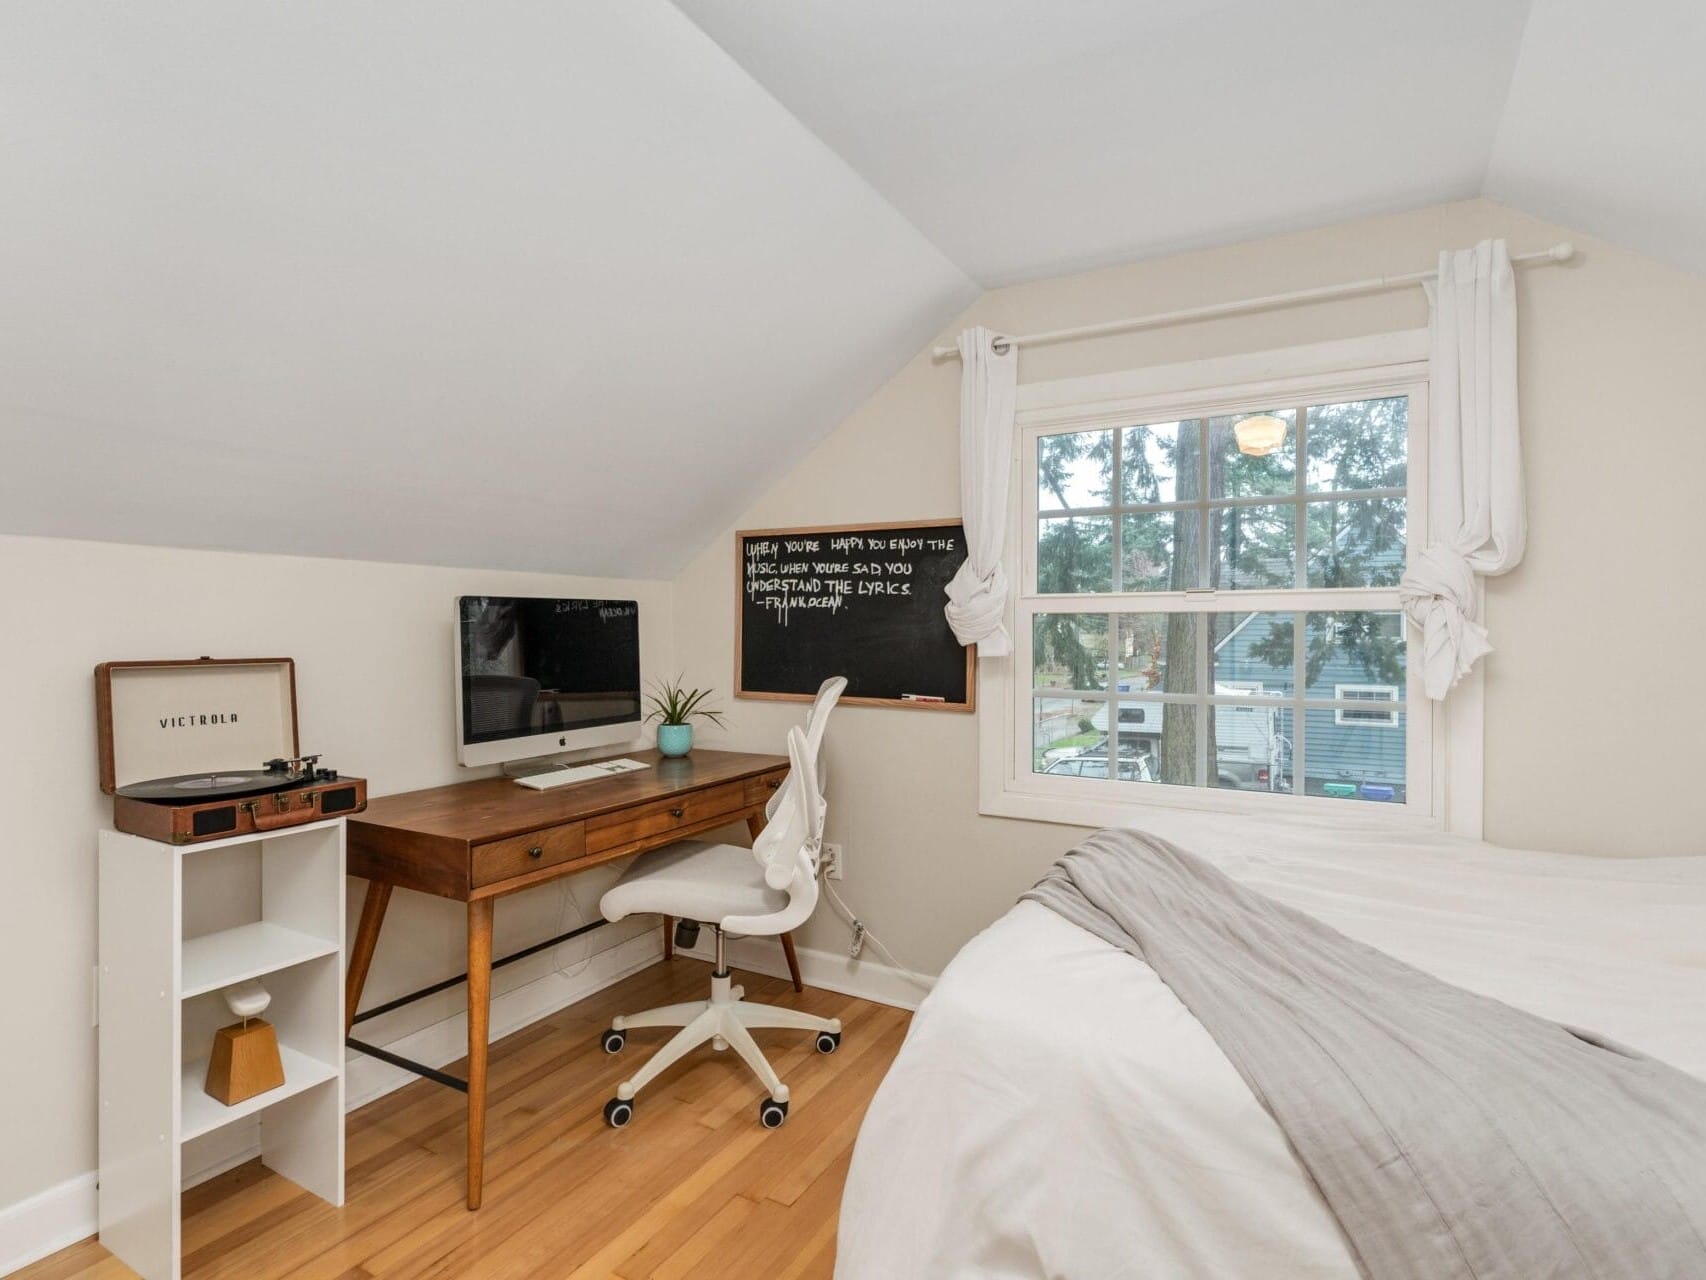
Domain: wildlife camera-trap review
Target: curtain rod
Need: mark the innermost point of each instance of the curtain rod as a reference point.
(1378, 284)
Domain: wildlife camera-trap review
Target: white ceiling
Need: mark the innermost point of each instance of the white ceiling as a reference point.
(533, 286)
(564, 286)
(1605, 128)
(1027, 139)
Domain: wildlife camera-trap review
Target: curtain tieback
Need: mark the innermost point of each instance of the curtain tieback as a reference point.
(976, 603)
(1438, 594)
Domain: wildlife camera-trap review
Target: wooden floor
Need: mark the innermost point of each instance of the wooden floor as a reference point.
(694, 1186)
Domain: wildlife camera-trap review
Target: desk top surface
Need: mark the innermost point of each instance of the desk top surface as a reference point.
(492, 808)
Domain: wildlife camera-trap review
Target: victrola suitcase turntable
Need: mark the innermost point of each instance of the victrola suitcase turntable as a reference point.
(203, 748)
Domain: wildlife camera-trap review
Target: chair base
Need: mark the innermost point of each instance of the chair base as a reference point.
(727, 1021)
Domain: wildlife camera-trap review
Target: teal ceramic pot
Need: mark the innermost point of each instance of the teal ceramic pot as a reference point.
(675, 739)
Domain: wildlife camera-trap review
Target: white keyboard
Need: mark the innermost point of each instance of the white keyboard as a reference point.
(581, 773)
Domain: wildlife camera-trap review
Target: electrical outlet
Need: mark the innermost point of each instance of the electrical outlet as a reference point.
(833, 857)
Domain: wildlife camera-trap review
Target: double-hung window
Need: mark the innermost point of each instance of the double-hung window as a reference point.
(1207, 610)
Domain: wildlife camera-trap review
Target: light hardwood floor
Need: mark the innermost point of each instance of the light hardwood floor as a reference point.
(694, 1186)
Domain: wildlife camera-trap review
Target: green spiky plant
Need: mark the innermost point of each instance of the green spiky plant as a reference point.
(672, 704)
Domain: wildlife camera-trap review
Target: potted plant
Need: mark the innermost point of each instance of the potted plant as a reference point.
(674, 707)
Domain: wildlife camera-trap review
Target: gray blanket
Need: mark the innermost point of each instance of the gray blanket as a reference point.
(1453, 1136)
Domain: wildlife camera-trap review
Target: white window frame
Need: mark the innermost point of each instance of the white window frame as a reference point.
(1444, 740)
(1358, 692)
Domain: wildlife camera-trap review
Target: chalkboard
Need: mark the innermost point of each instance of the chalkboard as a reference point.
(861, 601)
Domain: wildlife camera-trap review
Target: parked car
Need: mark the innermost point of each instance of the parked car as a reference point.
(1237, 767)
(1132, 768)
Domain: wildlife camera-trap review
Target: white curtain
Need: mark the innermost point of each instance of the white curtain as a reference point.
(977, 596)
(1475, 506)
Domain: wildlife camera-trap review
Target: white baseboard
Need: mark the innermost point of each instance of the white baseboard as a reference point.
(47, 1222)
(62, 1215)
(867, 978)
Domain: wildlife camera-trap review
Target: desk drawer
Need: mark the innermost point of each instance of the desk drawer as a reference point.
(506, 859)
(760, 789)
(646, 822)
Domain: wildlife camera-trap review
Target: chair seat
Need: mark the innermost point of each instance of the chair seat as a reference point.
(694, 880)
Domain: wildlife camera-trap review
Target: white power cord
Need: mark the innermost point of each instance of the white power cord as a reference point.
(569, 900)
(862, 935)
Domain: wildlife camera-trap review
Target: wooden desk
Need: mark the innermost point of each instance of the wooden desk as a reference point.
(474, 842)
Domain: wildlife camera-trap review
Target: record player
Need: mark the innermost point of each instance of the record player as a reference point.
(203, 748)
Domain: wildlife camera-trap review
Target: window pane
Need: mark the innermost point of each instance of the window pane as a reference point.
(1075, 553)
(1158, 651)
(1360, 445)
(1353, 762)
(1063, 727)
(1075, 469)
(1353, 648)
(1160, 463)
(1252, 746)
(1158, 551)
(1253, 547)
(1158, 741)
(1252, 653)
(1069, 651)
(1236, 474)
(1356, 544)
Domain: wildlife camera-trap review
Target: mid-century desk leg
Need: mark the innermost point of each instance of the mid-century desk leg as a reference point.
(755, 824)
(361, 954)
(479, 1025)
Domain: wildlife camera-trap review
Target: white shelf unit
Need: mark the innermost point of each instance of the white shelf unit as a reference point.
(178, 924)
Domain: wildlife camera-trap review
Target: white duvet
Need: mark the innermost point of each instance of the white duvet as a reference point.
(1056, 1112)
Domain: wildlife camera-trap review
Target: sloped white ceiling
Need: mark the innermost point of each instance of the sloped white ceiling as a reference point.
(1029, 139)
(500, 284)
(563, 286)
(1605, 128)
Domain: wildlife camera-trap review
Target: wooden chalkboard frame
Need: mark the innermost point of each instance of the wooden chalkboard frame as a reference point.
(969, 706)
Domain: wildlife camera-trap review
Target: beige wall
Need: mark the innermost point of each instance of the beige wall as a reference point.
(373, 644)
(1593, 710)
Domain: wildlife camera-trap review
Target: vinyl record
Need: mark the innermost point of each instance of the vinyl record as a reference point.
(191, 787)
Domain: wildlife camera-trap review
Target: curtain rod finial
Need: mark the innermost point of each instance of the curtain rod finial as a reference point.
(1562, 252)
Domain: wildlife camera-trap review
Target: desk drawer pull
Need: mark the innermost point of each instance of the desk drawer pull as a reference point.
(529, 853)
(676, 813)
(773, 783)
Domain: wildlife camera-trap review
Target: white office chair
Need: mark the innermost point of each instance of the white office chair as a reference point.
(766, 890)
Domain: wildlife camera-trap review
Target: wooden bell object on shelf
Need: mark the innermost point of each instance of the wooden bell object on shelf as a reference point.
(245, 1059)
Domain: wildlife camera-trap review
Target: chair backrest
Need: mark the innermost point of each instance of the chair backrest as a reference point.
(787, 846)
(828, 694)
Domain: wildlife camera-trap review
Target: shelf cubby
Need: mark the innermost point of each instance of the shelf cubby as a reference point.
(178, 925)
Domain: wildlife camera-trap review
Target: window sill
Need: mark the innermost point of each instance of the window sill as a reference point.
(1179, 808)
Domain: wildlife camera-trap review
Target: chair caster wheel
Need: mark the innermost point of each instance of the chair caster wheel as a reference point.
(613, 1040)
(828, 1041)
(618, 1112)
(771, 1113)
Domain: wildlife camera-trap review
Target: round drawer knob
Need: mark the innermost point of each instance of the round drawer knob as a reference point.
(676, 813)
(537, 851)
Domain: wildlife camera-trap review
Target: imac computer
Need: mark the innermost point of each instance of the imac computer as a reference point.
(537, 676)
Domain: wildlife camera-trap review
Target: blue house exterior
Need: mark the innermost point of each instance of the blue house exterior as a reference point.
(1347, 753)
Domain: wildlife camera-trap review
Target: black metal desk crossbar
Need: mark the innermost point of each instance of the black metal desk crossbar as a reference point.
(420, 1068)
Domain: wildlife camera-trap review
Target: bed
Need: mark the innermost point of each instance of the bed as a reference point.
(1057, 1111)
